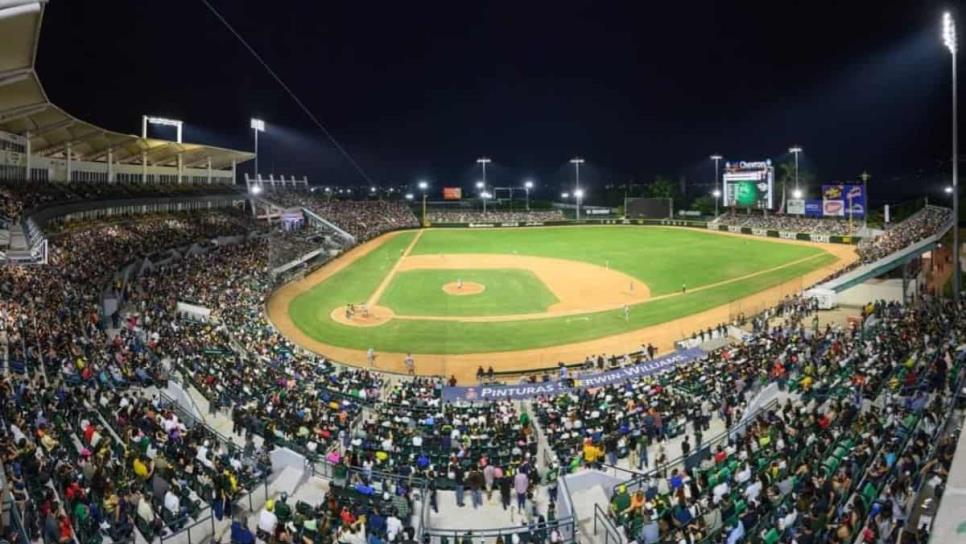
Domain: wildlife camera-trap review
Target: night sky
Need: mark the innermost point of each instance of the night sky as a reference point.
(421, 89)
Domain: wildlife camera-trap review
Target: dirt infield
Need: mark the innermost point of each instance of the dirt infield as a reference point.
(364, 316)
(579, 287)
(463, 366)
(464, 288)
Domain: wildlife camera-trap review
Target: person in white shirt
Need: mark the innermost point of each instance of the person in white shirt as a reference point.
(743, 475)
(752, 491)
(172, 503)
(720, 490)
(393, 527)
(267, 519)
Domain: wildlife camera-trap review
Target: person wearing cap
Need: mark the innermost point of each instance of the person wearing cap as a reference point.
(267, 521)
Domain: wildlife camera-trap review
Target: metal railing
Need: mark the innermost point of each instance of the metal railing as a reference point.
(603, 522)
(538, 532)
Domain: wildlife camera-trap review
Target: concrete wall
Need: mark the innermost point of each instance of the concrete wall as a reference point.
(875, 289)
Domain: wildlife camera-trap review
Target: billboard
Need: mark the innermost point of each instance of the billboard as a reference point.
(452, 193)
(795, 206)
(749, 184)
(813, 208)
(843, 200)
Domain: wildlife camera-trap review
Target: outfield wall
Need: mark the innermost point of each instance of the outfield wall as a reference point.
(786, 235)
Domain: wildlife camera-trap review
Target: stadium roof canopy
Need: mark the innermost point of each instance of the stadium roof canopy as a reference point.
(25, 109)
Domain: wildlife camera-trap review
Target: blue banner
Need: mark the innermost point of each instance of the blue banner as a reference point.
(813, 208)
(589, 381)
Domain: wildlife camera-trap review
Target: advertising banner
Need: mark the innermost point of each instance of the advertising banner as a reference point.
(843, 200)
(813, 208)
(601, 379)
(796, 206)
(452, 193)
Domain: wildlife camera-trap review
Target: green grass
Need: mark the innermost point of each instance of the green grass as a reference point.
(661, 257)
(507, 292)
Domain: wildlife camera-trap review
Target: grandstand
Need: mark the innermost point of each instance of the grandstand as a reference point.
(149, 398)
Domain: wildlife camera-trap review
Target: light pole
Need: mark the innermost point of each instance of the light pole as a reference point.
(717, 195)
(577, 161)
(481, 188)
(527, 185)
(949, 38)
(483, 161)
(257, 126)
(579, 195)
(720, 190)
(422, 187)
(796, 150)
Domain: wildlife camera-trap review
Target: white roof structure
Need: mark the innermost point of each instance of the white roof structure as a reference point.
(25, 109)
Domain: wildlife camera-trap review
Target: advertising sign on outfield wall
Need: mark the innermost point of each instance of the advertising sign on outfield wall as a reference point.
(796, 206)
(452, 193)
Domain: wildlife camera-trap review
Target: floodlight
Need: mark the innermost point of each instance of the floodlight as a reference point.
(949, 32)
(256, 189)
(258, 124)
(797, 193)
(409, 196)
(579, 193)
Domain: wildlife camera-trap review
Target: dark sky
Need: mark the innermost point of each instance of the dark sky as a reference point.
(421, 89)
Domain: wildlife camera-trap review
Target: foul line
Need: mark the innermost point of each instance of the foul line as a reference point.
(377, 294)
(582, 311)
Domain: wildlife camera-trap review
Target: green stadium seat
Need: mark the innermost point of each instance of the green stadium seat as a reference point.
(771, 537)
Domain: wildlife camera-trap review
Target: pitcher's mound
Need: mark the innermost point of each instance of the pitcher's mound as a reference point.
(468, 288)
(373, 316)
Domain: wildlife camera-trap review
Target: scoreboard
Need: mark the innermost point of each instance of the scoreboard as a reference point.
(749, 184)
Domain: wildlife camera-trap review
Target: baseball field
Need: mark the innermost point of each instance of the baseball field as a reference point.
(521, 298)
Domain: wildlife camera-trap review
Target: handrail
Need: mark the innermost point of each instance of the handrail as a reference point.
(452, 535)
(607, 524)
(705, 445)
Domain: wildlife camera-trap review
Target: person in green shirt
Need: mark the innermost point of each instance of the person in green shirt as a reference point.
(620, 501)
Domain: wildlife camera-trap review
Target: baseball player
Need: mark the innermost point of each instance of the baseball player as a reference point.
(410, 364)
(627, 313)
(371, 356)
(459, 284)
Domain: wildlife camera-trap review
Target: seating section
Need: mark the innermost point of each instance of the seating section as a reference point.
(861, 401)
(92, 451)
(364, 219)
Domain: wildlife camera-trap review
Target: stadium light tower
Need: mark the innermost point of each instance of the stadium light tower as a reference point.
(577, 161)
(717, 158)
(796, 150)
(717, 195)
(579, 196)
(949, 38)
(257, 126)
(483, 161)
(527, 185)
(423, 185)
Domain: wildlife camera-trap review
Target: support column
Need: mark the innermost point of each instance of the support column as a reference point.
(70, 153)
(144, 167)
(110, 165)
(180, 167)
(233, 179)
(27, 173)
(209, 170)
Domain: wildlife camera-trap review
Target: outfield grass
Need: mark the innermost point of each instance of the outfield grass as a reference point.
(507, 292)
(661, 257)
(664, 258)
